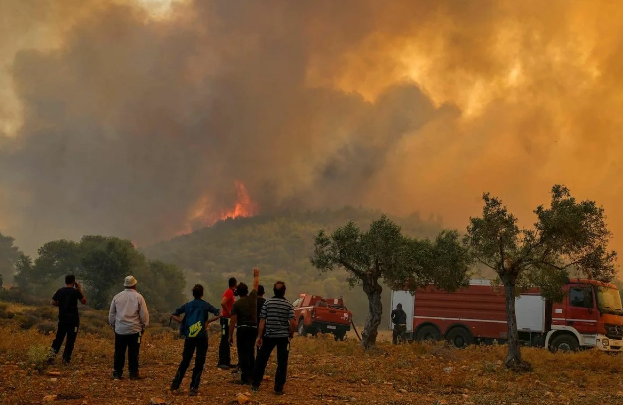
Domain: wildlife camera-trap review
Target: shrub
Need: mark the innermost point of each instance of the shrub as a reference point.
(27, 321)
(46, 328)
(48, 313)
(15, 295)
(38, 357)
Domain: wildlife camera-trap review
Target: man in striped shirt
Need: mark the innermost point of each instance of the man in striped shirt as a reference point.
(276, 329)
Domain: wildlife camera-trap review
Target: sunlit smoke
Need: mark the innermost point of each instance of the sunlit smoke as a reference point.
(136, 119)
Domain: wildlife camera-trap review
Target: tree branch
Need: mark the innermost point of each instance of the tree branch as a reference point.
(351, 268)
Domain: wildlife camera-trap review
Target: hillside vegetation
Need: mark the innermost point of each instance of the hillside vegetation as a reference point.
(321, 371)
(280, 246)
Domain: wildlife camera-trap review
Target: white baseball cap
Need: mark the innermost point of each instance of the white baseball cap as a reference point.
(130, 281)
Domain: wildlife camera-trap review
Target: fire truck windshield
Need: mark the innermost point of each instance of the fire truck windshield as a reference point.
(609, 300)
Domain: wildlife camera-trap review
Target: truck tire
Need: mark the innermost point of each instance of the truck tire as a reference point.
(427, 332)
(339, 336)
(459, 337)
(301, 328)
(564, 343)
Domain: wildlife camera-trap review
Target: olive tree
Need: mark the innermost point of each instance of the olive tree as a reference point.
(383, 253)
(569, 235)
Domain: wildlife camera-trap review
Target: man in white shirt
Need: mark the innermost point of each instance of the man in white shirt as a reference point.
(129, 317)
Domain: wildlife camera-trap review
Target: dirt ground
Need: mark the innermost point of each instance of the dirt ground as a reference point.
(321, 371)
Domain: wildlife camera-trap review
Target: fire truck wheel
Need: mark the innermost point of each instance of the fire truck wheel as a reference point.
(301, 328)
(459, 337)
(427, 332)
(564, 343)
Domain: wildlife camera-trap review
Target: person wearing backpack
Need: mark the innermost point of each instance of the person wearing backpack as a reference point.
(194, 328)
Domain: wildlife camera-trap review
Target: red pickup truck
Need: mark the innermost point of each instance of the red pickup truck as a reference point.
(325, 315)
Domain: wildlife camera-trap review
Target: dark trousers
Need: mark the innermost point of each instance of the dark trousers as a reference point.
(132, 343)
(245, 342)
(283, 350)
(399, 330)
(69, 330)
(190, 344)
(224, 353)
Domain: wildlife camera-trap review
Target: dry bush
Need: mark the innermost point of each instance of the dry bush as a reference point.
(38, 357)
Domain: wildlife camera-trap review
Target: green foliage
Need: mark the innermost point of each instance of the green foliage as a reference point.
(569, 235)
(38, 357)
(101, 263)
(384, 253)
(280, 246)
(9, 254)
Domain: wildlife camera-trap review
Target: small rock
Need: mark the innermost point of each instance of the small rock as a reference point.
(49, 398)
(448, 369)
(242, 399)
(157, 401)
(54, 379)
(402, 391)
(620, 394)
(54, 374)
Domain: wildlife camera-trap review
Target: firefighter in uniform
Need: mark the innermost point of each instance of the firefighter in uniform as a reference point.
(399, 319)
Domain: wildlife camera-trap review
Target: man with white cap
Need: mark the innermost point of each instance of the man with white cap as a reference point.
(129, 317)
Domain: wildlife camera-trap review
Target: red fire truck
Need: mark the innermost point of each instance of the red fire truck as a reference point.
(590, 315)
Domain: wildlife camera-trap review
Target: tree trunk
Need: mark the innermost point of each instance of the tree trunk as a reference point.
(373, 290)
(513, 358)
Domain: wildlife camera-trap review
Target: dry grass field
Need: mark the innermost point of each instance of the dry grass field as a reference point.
(321, 371)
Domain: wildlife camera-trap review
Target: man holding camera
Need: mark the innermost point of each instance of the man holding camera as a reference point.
(66, 299)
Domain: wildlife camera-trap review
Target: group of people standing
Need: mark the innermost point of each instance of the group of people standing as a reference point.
(257, 322)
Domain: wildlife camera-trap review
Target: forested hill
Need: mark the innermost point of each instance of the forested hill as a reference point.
(280, 246)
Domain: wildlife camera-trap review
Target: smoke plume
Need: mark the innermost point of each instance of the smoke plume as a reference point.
(123, 122)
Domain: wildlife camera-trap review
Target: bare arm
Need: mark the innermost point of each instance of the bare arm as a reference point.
(260, 332)
(176, 318)
(256, 279)
(84, 298)
(224, 303)
(292, 328)
(213, 319)
(232, 326)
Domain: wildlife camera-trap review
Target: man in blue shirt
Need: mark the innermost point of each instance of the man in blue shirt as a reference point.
(194, 328)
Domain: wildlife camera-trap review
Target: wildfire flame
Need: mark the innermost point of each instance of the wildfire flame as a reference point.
(202, 213)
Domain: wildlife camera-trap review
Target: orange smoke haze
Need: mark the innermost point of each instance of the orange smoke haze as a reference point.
(129, 123)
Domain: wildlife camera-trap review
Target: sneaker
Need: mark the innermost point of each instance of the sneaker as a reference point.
(116, 376)
(255, 388)
(280, 392)
(135, 377)
(223, 366)
(193, 392)
(174, 387)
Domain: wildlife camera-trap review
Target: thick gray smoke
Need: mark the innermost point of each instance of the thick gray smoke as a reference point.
(133, 125)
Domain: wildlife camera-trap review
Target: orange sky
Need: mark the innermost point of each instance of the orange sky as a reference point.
(510, 97)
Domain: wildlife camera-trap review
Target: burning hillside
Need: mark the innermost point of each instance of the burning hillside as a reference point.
(205, 212)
